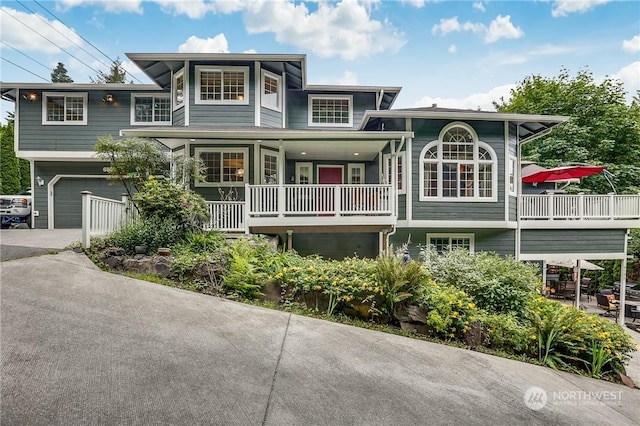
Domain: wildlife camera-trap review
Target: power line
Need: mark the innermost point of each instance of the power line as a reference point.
(59, 47)
(62, 34)
(87, 41)
(24, 69)
(24, 54)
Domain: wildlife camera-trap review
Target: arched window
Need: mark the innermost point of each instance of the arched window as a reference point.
(458, 167)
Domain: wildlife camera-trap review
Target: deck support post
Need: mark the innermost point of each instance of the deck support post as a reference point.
(289, 239)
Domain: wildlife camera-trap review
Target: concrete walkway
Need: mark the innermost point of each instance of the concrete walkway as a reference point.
(81, 346)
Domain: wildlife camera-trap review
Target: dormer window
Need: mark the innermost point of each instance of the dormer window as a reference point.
(222, 85)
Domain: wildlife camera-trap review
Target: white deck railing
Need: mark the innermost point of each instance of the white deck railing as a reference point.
(227, 216)
(581, 207)
(311, 200)
(101, 216)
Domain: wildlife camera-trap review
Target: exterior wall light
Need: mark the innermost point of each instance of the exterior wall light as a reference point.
(31, 96)
(39, 181)
(108, 98)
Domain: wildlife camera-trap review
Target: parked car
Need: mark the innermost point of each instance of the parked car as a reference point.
(15, 209)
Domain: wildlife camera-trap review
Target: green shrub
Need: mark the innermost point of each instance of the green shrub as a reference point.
(504, 332)
(398, 280)
(203, 241)
(242, 278)
(497, 284)
(449, 311)
(159, 198)
(152, 233)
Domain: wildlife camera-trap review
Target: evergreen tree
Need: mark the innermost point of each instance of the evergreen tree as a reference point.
(60, 75)
(9, 166)
(117, 74)
(25, 173)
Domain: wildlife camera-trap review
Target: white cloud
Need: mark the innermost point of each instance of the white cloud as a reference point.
(452, 48)
(501, 27)
(473, 101)
(480, 6)
(17, 32)
(632, 45)
(343, 29)
(217, 44)
(348, 79)
(194, 9)
(565, 7)
(630, 77)
(250, 51)
(415, 3)
(134, 6)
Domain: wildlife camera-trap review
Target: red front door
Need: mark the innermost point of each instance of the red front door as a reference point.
(328, 175)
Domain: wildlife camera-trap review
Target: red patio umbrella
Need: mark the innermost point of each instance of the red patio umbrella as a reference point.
(562, 173)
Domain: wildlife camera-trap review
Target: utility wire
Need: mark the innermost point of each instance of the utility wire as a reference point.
(24, 69)
(62, 34)
(59, 47)
(24, 54)
(87, 41)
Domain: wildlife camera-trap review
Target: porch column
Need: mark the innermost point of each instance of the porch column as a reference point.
(623, 281)
(544, 277)
(578, 279)
(281, 179)
(289, 239)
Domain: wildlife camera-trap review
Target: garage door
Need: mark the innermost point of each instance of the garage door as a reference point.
(68, 198)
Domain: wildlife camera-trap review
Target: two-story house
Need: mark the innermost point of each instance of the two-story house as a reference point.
(329, 169)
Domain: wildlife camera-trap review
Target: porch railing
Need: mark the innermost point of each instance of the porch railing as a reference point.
(227, 216)
(581, 207)
(101, 216)
(317, 199)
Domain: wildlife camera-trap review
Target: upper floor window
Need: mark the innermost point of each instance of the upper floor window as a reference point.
(64, 108)
(223, 165)
(178, 89)
(331, 111)
(458, 167)
(150, 109)
(400, 161)
(222, 85)
(271, 91)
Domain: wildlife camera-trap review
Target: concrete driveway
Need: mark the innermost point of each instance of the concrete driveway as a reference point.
(80, 346)
(17, 243)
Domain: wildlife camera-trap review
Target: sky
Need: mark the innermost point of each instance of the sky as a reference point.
(458, 54)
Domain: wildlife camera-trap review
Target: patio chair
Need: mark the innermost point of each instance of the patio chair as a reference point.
(609, 303)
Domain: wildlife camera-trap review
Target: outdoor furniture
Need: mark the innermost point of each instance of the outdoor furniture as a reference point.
(609, 303)
(569, 290)
(586, 288)
(632, 311)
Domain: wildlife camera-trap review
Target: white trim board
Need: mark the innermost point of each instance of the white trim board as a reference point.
(461, 224)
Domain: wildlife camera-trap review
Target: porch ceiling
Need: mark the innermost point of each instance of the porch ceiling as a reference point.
(355, 151)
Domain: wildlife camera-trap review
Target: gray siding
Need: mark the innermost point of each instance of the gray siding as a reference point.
(513, 208)
(500, 241)
(178, 117)
(426, 131)
(102, 119)
(298, 108)
(65, 191)
(270, 118)
(513, 139)
(337, 246)
(552, 241)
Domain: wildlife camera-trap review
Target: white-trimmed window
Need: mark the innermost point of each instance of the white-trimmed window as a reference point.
(445, 242)
(331, 111)
(222, 85)
(269, 167)
(271, 91)
(223, 165)
(150, 109)
(177, 170)
(513, 187)
(178, 89)
(355, 174)
(64, 108)
(401, 161)
(458, 167)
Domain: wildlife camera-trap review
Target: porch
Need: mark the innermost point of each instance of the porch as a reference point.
(306, 205)
(551, 207)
